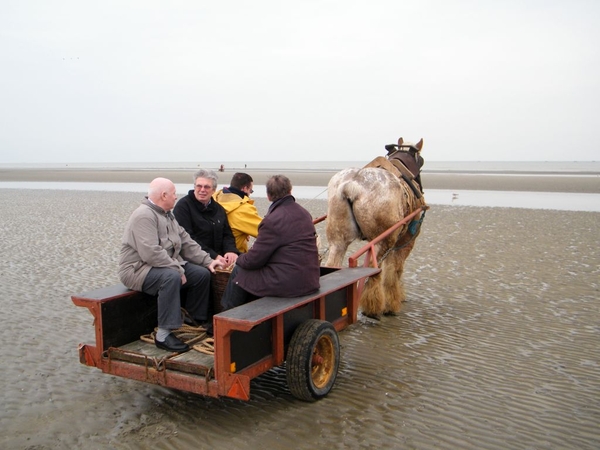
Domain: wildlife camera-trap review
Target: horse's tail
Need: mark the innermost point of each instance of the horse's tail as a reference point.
(350, 191)
(342, 227)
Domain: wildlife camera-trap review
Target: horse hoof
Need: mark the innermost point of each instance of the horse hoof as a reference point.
(372, 316)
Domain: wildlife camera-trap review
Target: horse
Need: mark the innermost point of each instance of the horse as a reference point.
(365, 202)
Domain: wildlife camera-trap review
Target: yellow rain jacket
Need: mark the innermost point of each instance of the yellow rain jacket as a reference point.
(242, 216)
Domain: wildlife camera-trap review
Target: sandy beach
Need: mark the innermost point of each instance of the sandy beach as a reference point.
(301, 177)
(496, 346)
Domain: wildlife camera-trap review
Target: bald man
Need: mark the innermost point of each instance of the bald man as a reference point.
(160, 258)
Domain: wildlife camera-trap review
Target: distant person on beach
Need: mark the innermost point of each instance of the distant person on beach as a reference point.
(242, 215)
(160, 258)
(205, 219)
(284, 260)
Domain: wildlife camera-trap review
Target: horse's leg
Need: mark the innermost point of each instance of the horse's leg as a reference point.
(393, 284)
(387, 297)
(341, 230)
(386, 292)
(395, 281)
(372, 299)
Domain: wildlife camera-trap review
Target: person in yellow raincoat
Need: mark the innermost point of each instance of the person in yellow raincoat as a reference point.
(242, 215)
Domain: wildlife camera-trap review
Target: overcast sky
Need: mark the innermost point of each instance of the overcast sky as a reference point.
(264, 80)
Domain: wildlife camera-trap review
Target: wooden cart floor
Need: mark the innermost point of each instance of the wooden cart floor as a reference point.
(147, 354)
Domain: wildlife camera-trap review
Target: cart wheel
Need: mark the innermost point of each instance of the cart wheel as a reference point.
(313, 359)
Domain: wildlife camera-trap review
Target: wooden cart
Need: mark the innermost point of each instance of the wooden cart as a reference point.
(248, 340)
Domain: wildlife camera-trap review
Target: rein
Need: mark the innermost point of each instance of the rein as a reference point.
(310, 200)
(413, 228)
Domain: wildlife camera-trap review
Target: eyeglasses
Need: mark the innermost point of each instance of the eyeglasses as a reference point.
(251, 191)
(206, 187)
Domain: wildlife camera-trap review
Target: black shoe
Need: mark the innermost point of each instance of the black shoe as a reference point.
(208, 326)
(172, 344)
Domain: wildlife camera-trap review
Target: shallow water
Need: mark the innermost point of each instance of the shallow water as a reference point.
(532, 200)
(496, 347)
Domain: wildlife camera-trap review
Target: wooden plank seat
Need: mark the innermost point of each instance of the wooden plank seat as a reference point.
(254, 337)
(247, 316)
(121, 315)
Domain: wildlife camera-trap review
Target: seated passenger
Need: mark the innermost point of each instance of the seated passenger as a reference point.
(242, 215)
(284, 260)
(158, 257)
(205, 220)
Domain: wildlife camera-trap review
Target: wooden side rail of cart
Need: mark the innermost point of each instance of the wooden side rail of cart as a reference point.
(255, 337)
(249, 339)
(120, 316)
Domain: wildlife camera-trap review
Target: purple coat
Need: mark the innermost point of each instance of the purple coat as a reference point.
(284, 260)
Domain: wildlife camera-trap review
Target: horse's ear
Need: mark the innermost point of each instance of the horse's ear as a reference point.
(419, 145)
(400, 142)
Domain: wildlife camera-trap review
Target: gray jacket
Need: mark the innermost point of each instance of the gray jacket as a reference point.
(153, 238)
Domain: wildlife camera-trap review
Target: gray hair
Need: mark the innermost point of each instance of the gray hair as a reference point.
(208, 174)
(278, 186)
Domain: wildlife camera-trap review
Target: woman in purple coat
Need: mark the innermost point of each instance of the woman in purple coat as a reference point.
(284, 259)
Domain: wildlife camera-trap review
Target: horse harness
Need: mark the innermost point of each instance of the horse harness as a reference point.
(404, 161)
(408, 160)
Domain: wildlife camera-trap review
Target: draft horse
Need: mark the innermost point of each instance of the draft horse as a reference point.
(365, 202)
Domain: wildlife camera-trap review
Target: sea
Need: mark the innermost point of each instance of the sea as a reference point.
(590, 167)
(529, 200)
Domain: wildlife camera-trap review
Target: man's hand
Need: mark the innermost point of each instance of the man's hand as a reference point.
(222, 260)
(183, 279)
(230, 258)
(216, 263)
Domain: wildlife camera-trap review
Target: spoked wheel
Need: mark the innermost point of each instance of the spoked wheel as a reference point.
(313, 360)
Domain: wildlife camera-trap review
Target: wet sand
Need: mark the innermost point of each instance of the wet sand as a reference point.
(496, 346)
(590, 183)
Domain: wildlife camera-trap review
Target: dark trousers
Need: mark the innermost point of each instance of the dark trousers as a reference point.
(166, 284)
(234, 295)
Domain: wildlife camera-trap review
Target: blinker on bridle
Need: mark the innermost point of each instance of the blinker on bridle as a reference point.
(393, 148)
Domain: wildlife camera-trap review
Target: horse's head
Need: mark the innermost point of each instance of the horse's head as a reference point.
(409, 154)
(405, 146)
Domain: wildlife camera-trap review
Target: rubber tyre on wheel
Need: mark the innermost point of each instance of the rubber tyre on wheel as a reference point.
(313, 359)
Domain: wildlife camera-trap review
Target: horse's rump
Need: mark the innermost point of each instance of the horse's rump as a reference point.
(373, 197)
(363, 203)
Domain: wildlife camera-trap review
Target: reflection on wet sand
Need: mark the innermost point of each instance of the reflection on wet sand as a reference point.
(564, 201)
(497, 346)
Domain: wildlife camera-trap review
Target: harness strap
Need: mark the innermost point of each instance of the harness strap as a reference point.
(407, 176)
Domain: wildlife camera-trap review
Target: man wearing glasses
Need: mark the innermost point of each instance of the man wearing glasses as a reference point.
(205, 220)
